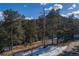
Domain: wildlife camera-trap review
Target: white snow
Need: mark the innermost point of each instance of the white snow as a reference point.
(54, 52)
(48, 51)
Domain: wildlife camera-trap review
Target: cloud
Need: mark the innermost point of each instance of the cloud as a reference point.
(72, 7)
(29, 18)
(43, 3)
(60, 6)
(1, 15)
(57, 6)
(50, 8)
(63, 15)
(75, 13)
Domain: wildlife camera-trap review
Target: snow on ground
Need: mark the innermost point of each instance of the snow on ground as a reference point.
(48, 51)
(54, 52)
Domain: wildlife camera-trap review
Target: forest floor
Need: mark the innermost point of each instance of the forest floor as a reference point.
(23, 48)
(72, 49)
(72, 45)
(69, 46)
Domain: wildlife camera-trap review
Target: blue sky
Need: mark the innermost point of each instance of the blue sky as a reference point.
(35, 9)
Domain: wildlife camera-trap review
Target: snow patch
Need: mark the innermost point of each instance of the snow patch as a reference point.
(48, 51)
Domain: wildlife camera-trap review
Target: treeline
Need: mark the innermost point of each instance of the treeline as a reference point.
(16, 30)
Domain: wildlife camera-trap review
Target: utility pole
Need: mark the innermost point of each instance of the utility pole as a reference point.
(36, 34)
(11, 36)
(44, 26)
(72, 24)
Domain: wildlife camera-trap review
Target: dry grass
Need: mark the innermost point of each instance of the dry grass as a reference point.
(23, 48)
(72, 45)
